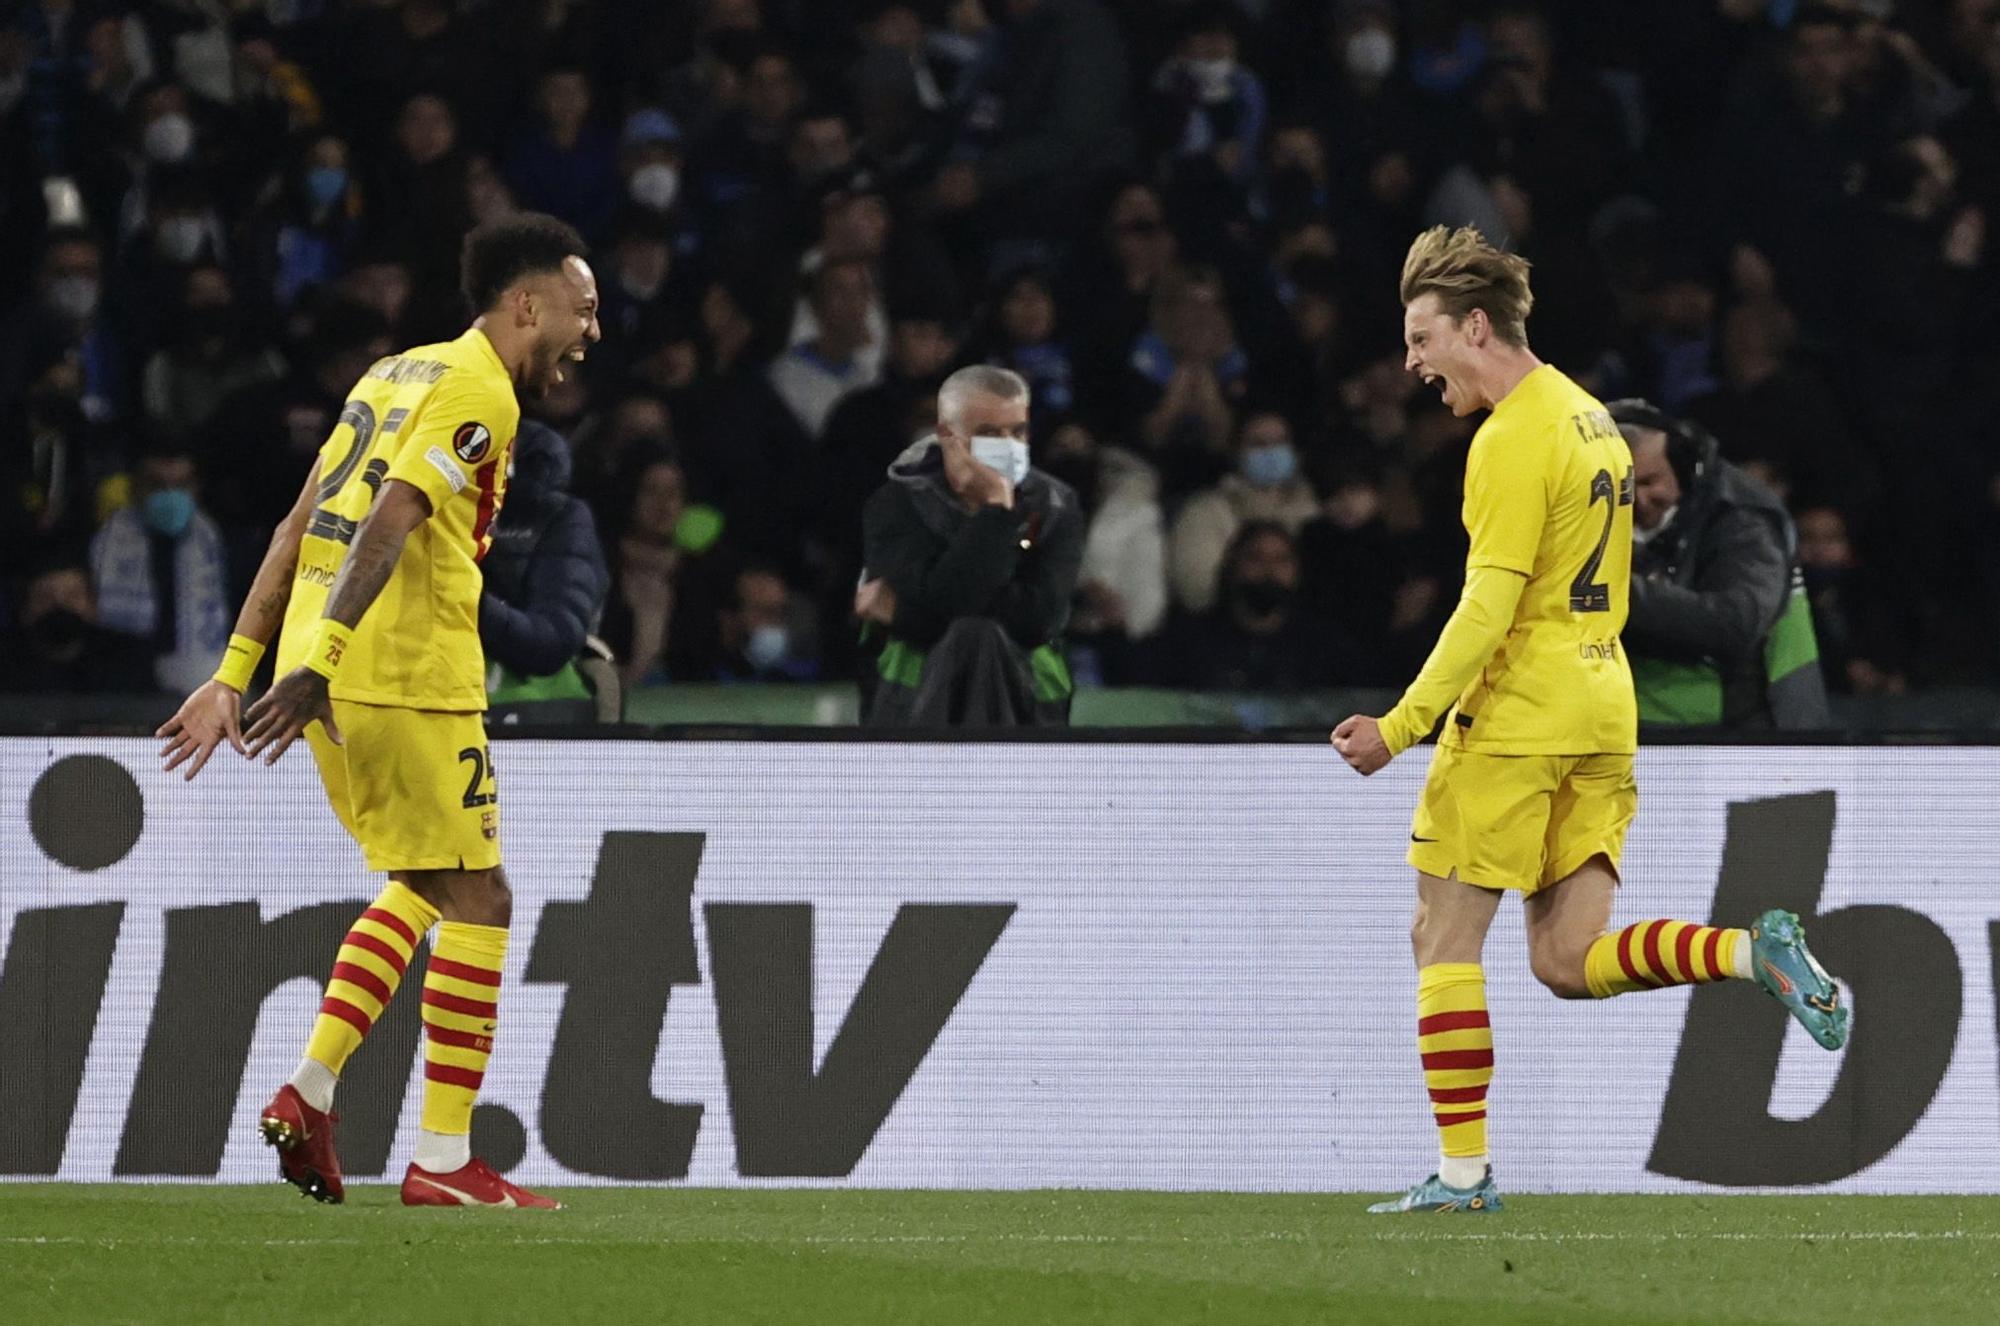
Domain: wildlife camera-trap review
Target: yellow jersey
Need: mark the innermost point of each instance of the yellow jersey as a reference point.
(442, 418)
(1548, 495)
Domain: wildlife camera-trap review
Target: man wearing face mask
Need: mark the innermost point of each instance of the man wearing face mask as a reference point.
(1266, 486)
(1720, 631)
(1259, 637)
(160, 574)
(972, 560)
(767, 633)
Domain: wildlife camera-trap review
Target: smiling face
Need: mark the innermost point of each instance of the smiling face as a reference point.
(561, 306)
(1444, 351)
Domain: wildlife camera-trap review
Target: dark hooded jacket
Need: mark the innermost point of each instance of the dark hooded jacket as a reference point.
(545, 575)
(1017, 566)
(1710, 594)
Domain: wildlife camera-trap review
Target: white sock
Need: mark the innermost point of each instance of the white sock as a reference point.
(315, 1082)
(441, 1153)
(1741, 968)
(1462, 1171)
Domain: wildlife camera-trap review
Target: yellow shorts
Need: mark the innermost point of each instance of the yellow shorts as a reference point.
(1521, 821)
(415, 787)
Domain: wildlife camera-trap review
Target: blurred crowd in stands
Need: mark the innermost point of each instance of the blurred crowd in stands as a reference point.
(1180, 222)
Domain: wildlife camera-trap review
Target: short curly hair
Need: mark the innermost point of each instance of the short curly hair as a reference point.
(1467, 273)
(501, 252)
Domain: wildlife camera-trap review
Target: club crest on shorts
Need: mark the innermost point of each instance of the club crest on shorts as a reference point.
(472, 442)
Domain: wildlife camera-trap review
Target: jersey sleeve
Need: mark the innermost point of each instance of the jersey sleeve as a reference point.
(461, 431)
(1506, 501)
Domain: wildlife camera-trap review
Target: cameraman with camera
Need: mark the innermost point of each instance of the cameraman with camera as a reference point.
(1720, 633)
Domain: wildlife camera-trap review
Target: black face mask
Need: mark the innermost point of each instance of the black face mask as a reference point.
(58, 631)
(1263, 596)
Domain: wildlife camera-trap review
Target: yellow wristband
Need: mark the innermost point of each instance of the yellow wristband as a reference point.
(329, 645)
(239, 663)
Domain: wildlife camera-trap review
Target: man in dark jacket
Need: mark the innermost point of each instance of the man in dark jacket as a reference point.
(545, 579)
(972, 560)
(1720, 633)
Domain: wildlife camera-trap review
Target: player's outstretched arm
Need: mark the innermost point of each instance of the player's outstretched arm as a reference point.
(300, 696)
(208, 717)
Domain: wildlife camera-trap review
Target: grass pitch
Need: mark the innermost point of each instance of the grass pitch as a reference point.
(199, 1254)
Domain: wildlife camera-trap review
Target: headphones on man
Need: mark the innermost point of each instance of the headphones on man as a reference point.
(1687, 441)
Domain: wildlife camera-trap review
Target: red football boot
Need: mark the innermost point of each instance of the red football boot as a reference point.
(475, 1184)
(304, 1139)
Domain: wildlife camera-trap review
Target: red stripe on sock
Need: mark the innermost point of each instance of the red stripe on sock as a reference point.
(361, 976)
(1656, 963)
(1711, 955)
(1625, 957)
(451, 1003)
(369, 944)
(1465, 1021)
(346, 1012)
(1457, 1095)
(453, 1076)
(1472, 1116)
(460, 971)
(464, 1040)
(1458, 1059)
(392, 922)
(1684, 953)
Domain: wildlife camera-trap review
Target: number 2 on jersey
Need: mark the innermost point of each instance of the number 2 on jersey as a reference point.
(1586, 593)
(359, 416)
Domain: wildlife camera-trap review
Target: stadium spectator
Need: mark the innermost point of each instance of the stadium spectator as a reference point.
(767, 631)
(660, 618)
(1021, 335)
(813, 376)
(57, 644)
(1208, 111)
(570, 168)
(1044, 121)
(1269, 486)
(1122, 582)
(1259, 636)
(60, 468)
(972, 559)
(1187, 374)
(1720, 633)
(159, 573)
(67, 310)
(543, 578)
(307, 223)
(1858, 652)
(212, 353)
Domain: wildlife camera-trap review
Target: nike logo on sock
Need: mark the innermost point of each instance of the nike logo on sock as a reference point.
(1415, 839)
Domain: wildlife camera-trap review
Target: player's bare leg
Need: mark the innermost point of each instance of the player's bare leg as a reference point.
(1576, 955)
(461, 1012)
(1456, 1042)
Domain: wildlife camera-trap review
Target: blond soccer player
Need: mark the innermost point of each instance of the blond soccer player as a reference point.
(375, 576)
(1531, 788)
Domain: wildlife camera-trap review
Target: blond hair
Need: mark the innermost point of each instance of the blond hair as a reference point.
(1467, 273)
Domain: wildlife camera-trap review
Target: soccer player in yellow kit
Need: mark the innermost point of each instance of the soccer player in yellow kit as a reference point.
(376, 574)
(1531, 786)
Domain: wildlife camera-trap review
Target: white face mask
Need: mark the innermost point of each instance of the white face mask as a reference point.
(1371, 53)
(767, 647)
(179, 238)
(75, 297)
(1007, 455)
(169, 138)
(1212, 78)
(655, 186)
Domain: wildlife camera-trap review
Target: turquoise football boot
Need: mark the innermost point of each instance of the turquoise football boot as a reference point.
(1786, 967)
(1433, 1195)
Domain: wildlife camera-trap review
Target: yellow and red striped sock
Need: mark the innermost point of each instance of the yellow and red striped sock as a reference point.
(1456, 1042)
(1650, 955)
(366, 972)
(461, 1011)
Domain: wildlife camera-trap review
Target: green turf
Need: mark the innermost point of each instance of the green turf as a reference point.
(199, 1254)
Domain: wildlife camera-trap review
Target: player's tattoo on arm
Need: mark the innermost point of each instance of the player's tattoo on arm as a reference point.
(377, 546)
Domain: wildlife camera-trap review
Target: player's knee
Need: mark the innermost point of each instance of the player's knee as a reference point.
(496, 897)
(1561, 974)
